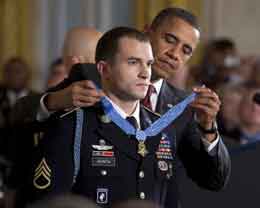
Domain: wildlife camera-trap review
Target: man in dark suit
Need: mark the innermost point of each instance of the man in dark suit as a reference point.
(16, 77)
(115, 166)
(174, 36)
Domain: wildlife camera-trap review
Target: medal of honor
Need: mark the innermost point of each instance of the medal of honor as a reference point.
(152, 130)
(142, 149)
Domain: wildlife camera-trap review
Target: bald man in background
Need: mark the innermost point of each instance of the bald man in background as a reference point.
(79, 47)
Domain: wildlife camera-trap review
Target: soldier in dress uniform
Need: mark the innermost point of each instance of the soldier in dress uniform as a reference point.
(108, 165)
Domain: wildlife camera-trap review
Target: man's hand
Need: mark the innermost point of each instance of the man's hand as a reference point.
(78, 94)
(207, 105)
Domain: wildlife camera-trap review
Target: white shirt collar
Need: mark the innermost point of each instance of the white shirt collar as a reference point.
(158, 85)
(123, 114)
(13, 97)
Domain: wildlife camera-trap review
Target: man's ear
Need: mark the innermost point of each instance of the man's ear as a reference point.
(147, 28)
(102, 67)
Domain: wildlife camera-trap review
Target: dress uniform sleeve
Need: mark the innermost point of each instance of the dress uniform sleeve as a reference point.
(53, 161)
(210, 171)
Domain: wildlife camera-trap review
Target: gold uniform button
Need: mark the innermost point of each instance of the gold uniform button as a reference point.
(142, 195)
(141, 174)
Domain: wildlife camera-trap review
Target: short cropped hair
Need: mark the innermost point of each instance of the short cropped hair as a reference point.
(56, 62)
(222, 44)
(15, 60)
(108, 44)
(175, 12)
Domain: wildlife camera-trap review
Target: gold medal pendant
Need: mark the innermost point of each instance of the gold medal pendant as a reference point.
(142, 149)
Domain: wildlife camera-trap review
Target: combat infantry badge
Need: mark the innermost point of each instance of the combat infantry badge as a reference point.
(102, 146)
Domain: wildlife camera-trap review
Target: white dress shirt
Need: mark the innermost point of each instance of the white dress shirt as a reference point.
(123, 114)
(13, 96)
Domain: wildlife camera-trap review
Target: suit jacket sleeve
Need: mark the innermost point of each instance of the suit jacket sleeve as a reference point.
(210, 171)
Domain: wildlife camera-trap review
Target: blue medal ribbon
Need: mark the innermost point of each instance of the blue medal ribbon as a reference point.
(155, 128)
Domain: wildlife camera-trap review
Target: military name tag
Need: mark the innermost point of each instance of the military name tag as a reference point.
(103, 161)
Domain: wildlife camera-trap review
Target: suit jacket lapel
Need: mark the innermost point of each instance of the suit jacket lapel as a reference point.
(166, 98)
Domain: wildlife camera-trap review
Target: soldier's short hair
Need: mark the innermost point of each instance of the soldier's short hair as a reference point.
(108, 44)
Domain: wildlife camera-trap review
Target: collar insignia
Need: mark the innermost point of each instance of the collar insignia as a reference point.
(105, 119)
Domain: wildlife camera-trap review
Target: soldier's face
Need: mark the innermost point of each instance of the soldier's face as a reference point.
(173, 43)
(130, 72)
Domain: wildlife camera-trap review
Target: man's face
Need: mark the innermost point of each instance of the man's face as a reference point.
(249, 111)
(128, 76)
(173, 43)
(17, 76)
(58, 74)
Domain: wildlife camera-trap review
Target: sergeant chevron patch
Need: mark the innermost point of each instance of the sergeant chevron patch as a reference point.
(42, 175)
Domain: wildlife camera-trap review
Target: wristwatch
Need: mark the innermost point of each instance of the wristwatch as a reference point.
(212, 130)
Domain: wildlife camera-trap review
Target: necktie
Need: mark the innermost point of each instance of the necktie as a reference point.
(147, 100)
(132, 121)
(141, 147)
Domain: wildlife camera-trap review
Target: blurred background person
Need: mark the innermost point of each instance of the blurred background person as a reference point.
(255, 73)
(249, 113)
(228, 118)
(57, 73)
(79, 47)
(16, 77)
(242, 73)
(220, 59)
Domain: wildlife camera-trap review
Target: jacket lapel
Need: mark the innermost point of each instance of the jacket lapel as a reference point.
(166, 98)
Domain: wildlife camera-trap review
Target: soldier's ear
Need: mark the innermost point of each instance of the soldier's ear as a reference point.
(103, 69)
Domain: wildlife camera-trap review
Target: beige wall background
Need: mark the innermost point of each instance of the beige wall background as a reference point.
(35, 29)
(238, 19)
